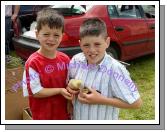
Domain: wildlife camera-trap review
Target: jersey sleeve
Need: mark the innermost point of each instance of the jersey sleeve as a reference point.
(31, 81)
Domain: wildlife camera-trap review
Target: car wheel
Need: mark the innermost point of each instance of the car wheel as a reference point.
(112, 52)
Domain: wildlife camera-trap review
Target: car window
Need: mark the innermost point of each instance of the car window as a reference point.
(149, 11)
(124, 11)
(112, 11)
(68, 10)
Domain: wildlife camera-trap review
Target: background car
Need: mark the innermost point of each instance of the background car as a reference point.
(130, 27)
(24, 12)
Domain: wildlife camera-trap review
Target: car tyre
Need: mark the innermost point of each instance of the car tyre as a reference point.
(112, 52)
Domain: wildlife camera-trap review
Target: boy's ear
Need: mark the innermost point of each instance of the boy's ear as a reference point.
(108, 41)
(79, 41)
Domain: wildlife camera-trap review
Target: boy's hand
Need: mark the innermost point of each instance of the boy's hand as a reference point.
(66, 94)
(93, 98)
(69, 89)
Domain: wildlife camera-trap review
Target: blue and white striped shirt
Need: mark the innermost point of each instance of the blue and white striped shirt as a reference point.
(109, 77)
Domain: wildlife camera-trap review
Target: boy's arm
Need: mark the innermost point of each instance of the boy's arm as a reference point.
(121, 104)
(37, 90)
(96, 98)
(47, 92)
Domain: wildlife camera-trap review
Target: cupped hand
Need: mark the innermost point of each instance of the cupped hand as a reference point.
(93, 98)
(66, 94)
(69, 89)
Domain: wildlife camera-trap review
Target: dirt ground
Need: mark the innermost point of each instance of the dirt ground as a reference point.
(15, 103)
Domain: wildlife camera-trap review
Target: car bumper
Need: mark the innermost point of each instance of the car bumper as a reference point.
(26, 46)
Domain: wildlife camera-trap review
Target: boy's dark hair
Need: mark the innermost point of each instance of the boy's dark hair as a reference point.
(50, 17)
(93, 27)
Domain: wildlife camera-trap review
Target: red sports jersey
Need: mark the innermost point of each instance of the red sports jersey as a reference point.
(52, 74)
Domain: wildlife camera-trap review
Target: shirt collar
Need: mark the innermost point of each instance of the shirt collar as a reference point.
(103, 60)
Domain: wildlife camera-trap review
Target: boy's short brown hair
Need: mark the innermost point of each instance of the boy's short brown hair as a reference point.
(50, 17)
(93, 27)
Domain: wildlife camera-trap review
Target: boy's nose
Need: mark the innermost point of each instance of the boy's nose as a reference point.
(52, 38)
(92, 49)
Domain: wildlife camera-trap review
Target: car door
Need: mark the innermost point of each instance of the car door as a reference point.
(130, 28)
(149, 13)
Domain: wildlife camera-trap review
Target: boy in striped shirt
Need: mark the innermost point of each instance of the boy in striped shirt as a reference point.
(100, 72)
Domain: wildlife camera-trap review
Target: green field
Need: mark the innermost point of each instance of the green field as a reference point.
(142, 71)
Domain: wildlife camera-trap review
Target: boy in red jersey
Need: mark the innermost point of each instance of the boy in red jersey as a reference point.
(44, 80)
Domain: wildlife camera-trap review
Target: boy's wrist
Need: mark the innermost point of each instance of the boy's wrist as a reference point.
(102, 100)
(57, 91)
(60, 91)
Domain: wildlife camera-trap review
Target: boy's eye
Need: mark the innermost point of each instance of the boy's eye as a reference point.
(97, 44)
(86, 45)
(56, 35)
(46, 34)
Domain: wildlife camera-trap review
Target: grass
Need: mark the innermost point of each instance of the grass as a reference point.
(142, 71)
(14, 61)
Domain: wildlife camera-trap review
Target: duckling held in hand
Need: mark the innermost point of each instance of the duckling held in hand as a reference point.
(75, 84)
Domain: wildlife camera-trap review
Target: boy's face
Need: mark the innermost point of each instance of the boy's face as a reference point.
(49, 38)
(94, 48)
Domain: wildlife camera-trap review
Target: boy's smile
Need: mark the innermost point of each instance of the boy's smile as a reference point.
(94, 48)
(50, 45)
(93, 56)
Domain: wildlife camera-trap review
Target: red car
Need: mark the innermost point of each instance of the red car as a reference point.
(130, 27)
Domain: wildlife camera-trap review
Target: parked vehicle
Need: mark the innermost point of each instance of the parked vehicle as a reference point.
(130, 27)
(24, 12)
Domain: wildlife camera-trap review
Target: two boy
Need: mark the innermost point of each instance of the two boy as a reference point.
(48, 91)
